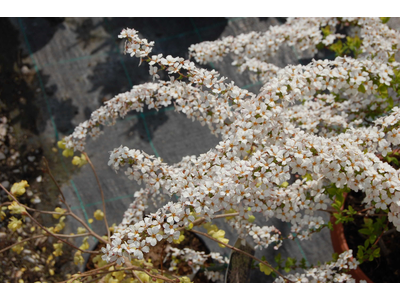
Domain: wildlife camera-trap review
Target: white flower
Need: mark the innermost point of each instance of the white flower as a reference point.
(153, 72)
(154, 236)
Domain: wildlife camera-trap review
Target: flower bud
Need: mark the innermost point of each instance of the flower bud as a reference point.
(98, 215)
(14, 224)
(18, 188)
(16, 209)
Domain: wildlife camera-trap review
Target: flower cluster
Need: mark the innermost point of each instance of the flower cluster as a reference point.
(135, 46)
(252, 50)
(303, 33)
(328, 271)
(325, 121)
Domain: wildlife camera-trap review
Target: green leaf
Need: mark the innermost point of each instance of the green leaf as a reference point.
(340, 197)
(368, 222)
(330, 225)
(366, 243)
(335, 256)
(351, 210)
(287, 270)
(331, 191)
(357, 42)
(371, 258)
(385, 19)
(308, 177)
(365, 231)
(303, 263)
(395, 161)
(383, 90)
(278, 258)
(326, 30)
(336, 206)
(337, 216)
(372, 238)
(284, 184)
(291, 261)
(337, 48)
(360, 253)
(320, 46)
(266, 269)
(390, 102)
(376, 252)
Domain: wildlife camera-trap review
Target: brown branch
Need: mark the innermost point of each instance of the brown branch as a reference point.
(128, 263)
(159, 276)
(69, 209)
(23, 241)
(122, 269)
(42, 235)
(377, 240)
(56, 183)
(45, 211)
(226, 215)
(99, 273)
(101, 192)
(88, 228)
(35, 210)
(72, 236)
(41, 226)
(201, 220)
(58, 238)
(95, 271)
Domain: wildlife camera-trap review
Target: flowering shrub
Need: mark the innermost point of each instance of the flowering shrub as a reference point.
(325, 121)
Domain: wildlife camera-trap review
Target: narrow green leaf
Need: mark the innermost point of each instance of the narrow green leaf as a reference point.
(365, 231)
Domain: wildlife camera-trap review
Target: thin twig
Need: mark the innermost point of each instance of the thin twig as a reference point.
(377, 240)
(201, 220)
(69, 208)
(58, 238)
(45, 211)
(122, 269)
(56, 183)
(23, 241)
(101, 192)
(88, 228)
(128, 263)
(158, 276)
(36, 210)
(91, 271)
(72, 236)
(41, 226)
(42, 235)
